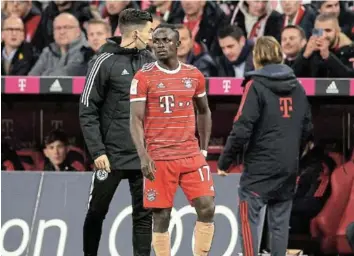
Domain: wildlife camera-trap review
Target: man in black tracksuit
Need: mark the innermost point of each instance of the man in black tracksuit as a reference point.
(273, 118)
(104, 119)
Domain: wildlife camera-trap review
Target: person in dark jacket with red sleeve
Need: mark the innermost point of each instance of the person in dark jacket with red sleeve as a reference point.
(274, 118)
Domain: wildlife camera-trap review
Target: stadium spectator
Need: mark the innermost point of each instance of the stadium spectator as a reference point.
(345, 16)
(313, 189)
(17, 56)
(193, 53)
(30, 15)
(168, 10)
(256, 18)
(55, 151)
(79, 9)
(114, 8)
(97, 33)
(203, 19)
(326, 55)
(65, 52)
(237, 52)
(297, 14)
(293, 40)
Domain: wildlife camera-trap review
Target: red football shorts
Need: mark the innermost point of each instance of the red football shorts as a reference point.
(192, 174)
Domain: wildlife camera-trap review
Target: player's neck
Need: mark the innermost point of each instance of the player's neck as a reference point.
(128, 43)
(171, 64)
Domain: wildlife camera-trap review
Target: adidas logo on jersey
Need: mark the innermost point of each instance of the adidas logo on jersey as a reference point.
(161, 86)
(125, 72)
(332, 88)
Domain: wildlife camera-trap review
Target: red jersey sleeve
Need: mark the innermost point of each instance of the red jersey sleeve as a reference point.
(200, 90)
(138, 88)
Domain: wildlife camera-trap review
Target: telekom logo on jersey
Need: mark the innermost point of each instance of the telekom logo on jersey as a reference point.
(168, 102)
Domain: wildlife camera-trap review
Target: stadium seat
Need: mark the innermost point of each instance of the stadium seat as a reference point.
(325, 225)
(337, 157)
(30, 159)
(343, 245)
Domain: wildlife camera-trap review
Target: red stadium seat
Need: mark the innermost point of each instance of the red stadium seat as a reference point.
(30, 159)
(325, 225)
(347, 218)
(337, 157)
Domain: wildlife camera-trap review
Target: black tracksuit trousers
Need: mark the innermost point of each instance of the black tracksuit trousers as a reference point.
(248, 218)
(101, 195)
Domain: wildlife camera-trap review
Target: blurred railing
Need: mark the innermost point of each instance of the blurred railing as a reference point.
(216, 86)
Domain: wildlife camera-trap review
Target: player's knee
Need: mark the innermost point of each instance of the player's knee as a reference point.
(161, 220)
(205, 210)
(97, 213)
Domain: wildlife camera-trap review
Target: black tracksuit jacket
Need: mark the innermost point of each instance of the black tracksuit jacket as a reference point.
(273, 130)
(104, 104)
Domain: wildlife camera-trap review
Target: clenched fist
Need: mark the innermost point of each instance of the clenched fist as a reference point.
(102, 163)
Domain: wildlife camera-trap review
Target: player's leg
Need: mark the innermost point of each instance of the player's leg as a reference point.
(158, 195)
(160, 236)
(142, 217)
(204, 227)
(278, 222)
(249, 208)
(102, 190)
(197, 184)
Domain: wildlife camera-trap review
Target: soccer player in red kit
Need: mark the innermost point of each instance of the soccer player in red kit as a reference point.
(162, 96)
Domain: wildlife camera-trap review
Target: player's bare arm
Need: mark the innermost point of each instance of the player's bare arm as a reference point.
(137, 113)
(203, 121)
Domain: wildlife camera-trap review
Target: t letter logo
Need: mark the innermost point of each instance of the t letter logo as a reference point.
(167, 102)
(286, 106)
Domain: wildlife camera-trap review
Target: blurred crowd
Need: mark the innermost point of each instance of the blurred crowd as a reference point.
(59, 38)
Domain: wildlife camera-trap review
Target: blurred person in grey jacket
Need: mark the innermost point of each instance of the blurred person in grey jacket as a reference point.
(193, 53)
(57, 58)
(327, 52)
(98, 31)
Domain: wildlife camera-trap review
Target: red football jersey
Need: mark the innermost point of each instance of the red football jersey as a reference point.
(169, 123)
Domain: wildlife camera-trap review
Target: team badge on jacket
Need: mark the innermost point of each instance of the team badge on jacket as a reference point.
(101, 175)
(187, 82)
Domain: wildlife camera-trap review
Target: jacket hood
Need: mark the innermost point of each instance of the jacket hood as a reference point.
(279, 78)
(113, 46)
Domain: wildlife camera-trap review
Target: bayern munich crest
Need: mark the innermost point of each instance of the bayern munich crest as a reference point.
(151, 195)
(187, 82)
(101, 175)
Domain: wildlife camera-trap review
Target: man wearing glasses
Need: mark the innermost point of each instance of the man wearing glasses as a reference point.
(64, 52)
(17, 56)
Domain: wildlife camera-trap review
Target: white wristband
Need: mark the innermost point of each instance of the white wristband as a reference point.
(204, 152)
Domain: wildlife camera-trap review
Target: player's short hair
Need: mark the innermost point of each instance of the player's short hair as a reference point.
(130, 19)
(102, 22)
(231, 30)
(171, 27)
(267, 50)
(182, 26)
(326, 17)
(56, 135)
(298, 28)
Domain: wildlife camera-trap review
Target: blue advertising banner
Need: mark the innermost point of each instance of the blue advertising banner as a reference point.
(43, 214)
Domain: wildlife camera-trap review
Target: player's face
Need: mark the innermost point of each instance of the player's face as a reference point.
(164, 44)
(56, 152)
